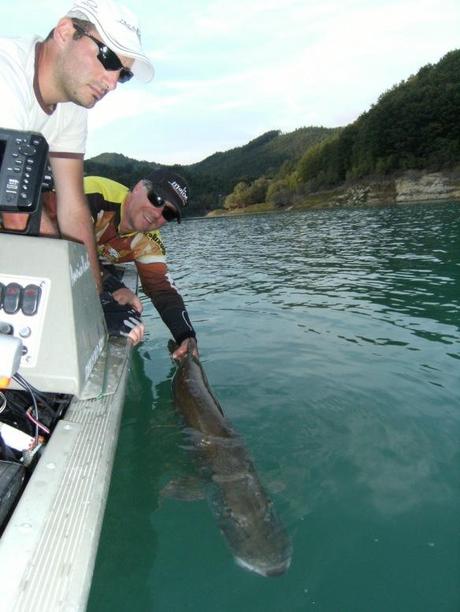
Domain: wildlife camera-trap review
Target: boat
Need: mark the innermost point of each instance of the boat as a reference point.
(62, 389)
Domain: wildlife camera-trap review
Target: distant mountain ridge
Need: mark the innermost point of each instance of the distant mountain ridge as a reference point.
(263, 155)
(216, 175)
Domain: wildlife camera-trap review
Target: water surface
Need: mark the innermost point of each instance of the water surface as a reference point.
(332, 339)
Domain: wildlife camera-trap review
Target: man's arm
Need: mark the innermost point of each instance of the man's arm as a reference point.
(158, 285)
(73, 214)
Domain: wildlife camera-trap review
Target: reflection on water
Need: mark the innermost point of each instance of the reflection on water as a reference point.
(332, 339)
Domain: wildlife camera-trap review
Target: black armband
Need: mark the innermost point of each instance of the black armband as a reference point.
(110, 282)
(179, 324)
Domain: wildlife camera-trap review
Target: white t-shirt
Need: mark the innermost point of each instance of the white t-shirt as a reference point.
(65, 128)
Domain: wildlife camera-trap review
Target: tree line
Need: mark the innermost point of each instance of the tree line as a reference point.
(212, 179)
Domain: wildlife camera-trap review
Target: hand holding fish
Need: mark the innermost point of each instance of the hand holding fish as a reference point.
(182, 350)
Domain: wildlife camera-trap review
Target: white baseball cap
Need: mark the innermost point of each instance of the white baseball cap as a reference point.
(118, 27)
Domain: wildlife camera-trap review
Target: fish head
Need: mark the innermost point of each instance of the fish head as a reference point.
(256, 536)
(266, 569)
(267, 550)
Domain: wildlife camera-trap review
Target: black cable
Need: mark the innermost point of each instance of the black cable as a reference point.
(25, 385)
(40, 394)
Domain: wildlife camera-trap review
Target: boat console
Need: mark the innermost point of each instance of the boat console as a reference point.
(62, 388)
(49, 303)
(48, 298)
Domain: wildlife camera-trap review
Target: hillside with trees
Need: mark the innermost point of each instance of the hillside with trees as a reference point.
(215, 177)
(413, 126)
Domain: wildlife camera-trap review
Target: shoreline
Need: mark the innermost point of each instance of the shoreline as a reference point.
(410, 187)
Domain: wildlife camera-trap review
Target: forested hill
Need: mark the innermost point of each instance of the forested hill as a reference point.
(263, 155)
(215, 177)
(413, 126)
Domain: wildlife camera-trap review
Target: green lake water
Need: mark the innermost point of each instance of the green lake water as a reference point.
(332, 340)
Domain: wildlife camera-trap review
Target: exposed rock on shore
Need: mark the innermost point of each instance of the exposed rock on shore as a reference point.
(412, 186)
(434, 186)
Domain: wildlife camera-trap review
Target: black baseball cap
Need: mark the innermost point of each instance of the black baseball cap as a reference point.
(171, 187)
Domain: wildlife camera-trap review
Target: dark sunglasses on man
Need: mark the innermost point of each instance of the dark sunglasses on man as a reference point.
(107, 57)
(168, 213)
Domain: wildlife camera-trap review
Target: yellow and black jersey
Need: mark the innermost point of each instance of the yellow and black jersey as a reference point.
(106, 199)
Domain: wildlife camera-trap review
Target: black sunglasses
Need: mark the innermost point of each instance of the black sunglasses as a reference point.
(168, 213)
(107, 57)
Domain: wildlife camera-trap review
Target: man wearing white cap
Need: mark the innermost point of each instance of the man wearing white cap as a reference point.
(93, 48)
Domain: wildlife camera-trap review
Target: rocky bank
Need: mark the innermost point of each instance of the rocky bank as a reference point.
(411, 186)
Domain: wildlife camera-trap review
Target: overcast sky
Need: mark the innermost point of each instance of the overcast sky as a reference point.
(228, 71)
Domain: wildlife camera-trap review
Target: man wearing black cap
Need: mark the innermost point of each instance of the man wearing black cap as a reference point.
(126, 226)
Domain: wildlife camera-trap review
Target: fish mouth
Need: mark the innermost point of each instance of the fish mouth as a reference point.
(266, 570)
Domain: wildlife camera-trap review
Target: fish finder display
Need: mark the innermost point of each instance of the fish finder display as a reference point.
(23, 157)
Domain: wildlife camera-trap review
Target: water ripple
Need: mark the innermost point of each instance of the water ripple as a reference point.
(353, 258)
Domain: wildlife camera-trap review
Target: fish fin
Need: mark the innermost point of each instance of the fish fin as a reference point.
(186, 488)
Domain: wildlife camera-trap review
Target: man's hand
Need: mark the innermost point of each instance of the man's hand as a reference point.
(182, 349)
(125, 296)
(122, 320)
(136, 334)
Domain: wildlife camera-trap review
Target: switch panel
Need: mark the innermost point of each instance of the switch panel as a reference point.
(23, 302)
